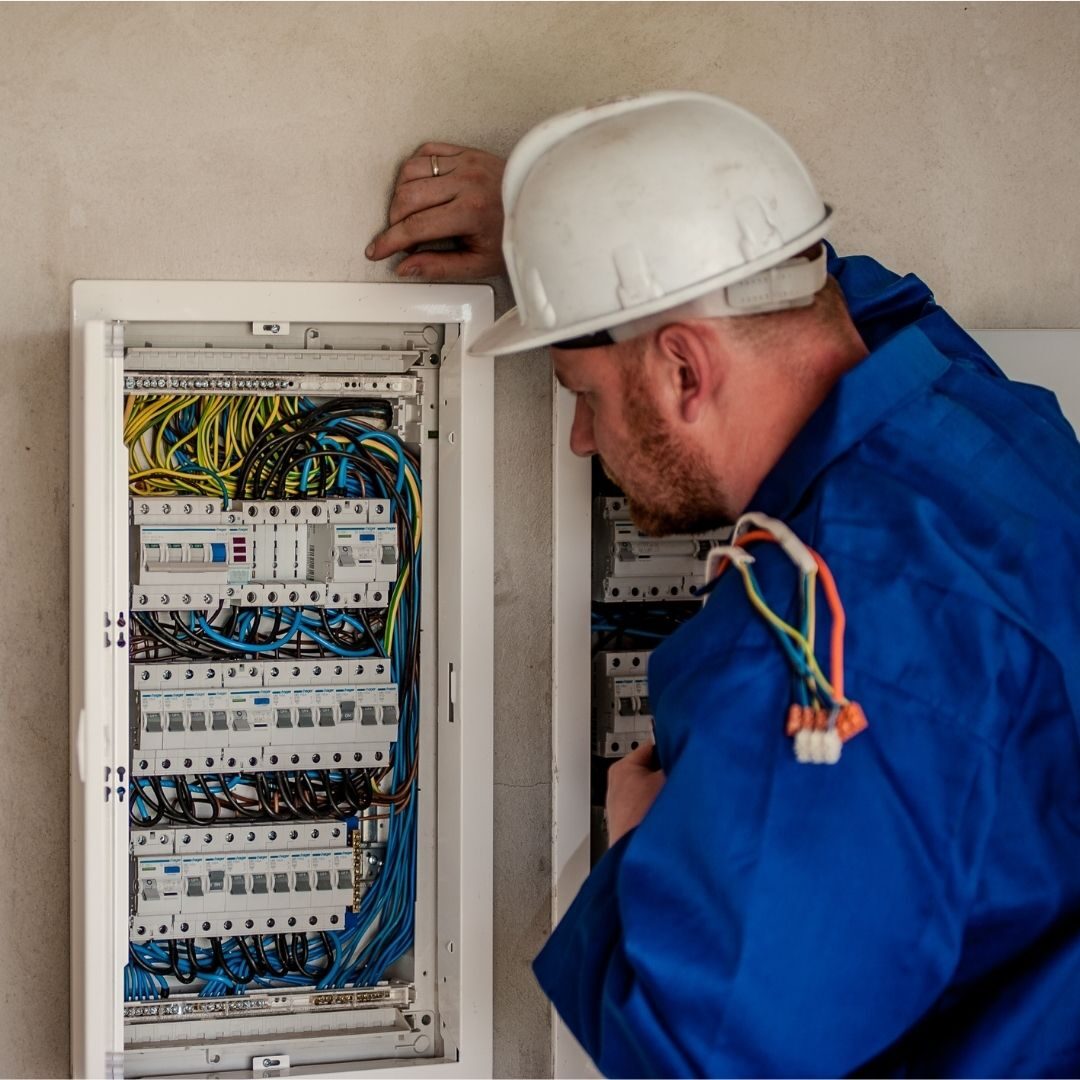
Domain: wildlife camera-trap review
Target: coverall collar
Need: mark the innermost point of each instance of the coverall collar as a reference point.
(893, 374)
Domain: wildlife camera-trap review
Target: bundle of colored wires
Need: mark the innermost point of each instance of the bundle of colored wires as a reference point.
(205, 799)
(812, 688)
(227, 965)
(274, 448)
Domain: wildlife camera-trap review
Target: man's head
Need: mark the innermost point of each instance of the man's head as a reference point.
(688, 418)
(659, 223)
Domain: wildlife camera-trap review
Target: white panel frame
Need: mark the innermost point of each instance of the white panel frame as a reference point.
(571, 689)
(1049, 358)
(98, 698)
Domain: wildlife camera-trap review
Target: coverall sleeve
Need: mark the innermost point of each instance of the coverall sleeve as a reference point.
(771, 918)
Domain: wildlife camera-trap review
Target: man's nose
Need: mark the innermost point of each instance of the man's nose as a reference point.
(582, 442)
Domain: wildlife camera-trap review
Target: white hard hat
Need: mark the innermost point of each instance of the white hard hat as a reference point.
(620, 211)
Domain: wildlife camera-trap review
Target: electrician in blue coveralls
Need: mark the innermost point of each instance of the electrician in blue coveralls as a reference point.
(913, 909)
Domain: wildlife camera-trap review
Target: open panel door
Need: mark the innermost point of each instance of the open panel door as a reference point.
(98, 696)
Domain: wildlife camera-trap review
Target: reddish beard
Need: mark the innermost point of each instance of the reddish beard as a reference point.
(668, 487)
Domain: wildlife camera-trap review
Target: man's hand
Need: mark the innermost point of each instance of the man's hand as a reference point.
(463, 203)
(633, 785)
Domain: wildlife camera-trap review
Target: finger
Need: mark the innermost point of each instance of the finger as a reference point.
(642, 757)
(448, 266)
(419, 165)
(419, 168)
(438, 223)
(439, 148)
(421, 195)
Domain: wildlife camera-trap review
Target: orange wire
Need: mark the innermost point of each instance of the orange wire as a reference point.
(836, 608)
(832, 596)
(746, 538)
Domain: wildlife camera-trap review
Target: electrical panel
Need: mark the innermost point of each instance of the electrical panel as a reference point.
(271, 729)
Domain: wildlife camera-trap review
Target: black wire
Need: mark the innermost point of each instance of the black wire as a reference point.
(281, 943)
(219, 956)
(215, 808)
(168, 809)
(252, 963)
(140, 794)
(240, 811)
(324, 779)
(264, 959)
(174, 959)
(262, 786)
(139, 962)
(185, 801)
(328, 945)
(193, 959)
(300, 952)
(304, 789)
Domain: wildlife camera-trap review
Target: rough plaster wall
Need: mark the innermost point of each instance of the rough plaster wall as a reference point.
(171, 141)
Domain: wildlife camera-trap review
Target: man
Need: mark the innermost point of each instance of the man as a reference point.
(914, 908)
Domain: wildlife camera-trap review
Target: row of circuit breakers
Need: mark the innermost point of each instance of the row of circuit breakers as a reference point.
(630, 568)
(222, 880)
(203, 718)
(195, 553)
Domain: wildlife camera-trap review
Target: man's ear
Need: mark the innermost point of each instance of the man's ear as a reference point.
(690, 367)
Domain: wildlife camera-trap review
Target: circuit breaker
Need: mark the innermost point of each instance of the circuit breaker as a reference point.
(281, 730)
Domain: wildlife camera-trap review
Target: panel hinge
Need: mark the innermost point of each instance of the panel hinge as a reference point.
(114, 1065)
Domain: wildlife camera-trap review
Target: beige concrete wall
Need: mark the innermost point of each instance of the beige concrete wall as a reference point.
(252, 141)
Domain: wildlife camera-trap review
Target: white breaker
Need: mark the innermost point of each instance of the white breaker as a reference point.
(265, 716)
(192, 554)
(622, 712)
(629, 566)
(239, 878)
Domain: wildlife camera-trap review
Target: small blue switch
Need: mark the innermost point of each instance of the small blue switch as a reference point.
(217, 553)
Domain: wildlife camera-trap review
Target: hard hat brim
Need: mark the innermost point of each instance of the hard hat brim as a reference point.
(508, 335)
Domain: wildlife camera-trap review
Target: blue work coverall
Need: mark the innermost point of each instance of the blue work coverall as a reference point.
(915, 908)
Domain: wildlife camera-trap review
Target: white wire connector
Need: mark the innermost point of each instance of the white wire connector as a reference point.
(818, 747)
(793, 547)
(717, 554)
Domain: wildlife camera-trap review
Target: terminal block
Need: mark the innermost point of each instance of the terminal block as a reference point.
(622, 712)
(629, 566)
